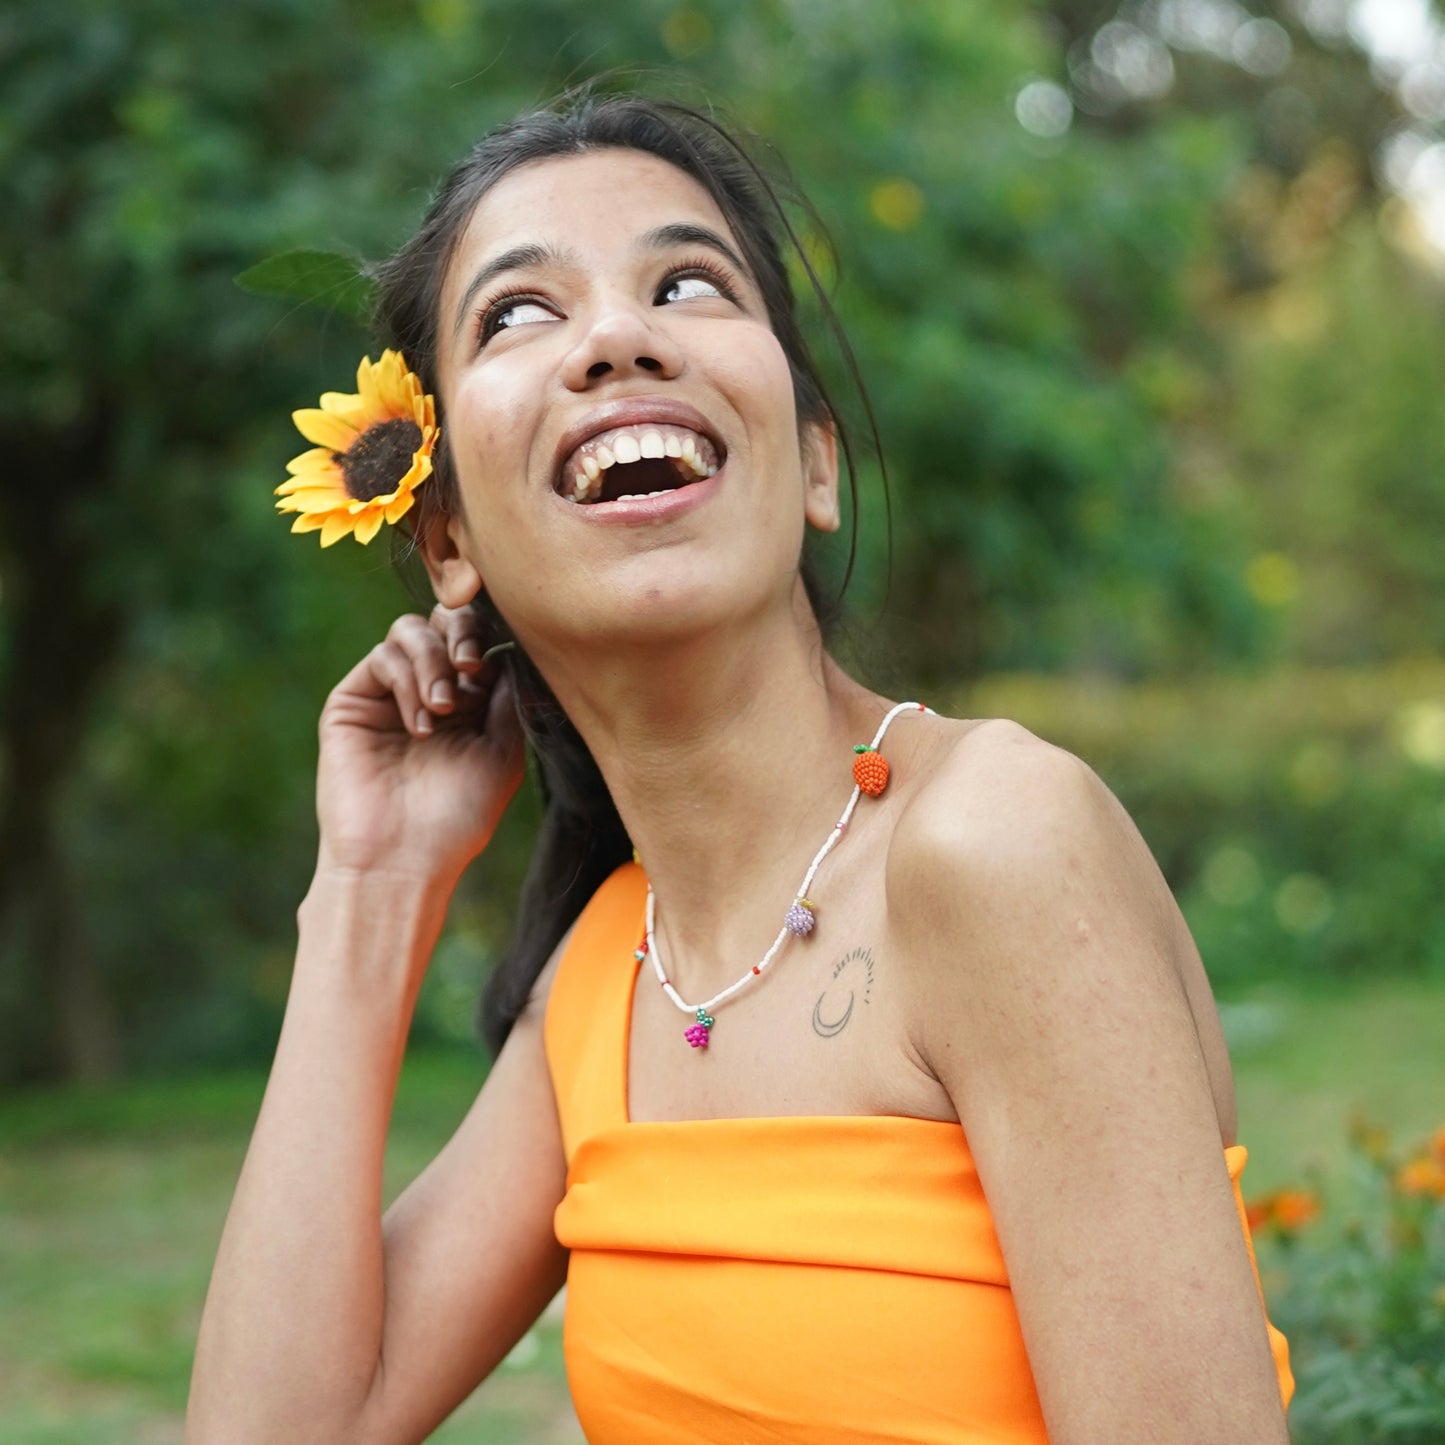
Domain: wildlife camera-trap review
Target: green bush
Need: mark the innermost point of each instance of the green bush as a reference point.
(1360, 1293)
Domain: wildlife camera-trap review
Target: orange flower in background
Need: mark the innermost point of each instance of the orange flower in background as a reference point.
(1425, 1175)
(373, 450)
(1287, 1210)
(1256, 1214)
(1293, 1209)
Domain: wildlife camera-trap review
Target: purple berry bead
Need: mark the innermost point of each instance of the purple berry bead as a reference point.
(799, 919)
(696, 1035)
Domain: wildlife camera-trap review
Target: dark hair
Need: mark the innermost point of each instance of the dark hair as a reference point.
(582, 838)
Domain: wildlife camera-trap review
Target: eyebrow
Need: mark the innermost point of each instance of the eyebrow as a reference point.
(519, 258)
(686, 233)
(537, 254)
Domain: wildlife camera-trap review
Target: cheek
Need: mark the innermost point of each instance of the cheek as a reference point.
(487, 427)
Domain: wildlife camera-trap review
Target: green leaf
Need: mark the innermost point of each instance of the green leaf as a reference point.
(329, 278)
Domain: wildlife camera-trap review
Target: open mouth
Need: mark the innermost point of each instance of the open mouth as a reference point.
(637, 461)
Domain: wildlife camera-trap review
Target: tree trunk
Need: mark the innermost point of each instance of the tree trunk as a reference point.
(60, 645)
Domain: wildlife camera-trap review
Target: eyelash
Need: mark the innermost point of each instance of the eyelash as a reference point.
(708, 269)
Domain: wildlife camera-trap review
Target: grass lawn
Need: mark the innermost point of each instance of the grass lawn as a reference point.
(1304, 1060)
(111, 1206)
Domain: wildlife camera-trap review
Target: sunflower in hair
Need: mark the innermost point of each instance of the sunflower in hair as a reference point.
(372, 451)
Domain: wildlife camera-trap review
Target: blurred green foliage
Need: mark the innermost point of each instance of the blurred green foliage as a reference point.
(1298, 815)
(1158, 391)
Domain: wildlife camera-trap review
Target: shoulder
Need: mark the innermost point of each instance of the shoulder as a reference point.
(1014, 876)
(1001, 809)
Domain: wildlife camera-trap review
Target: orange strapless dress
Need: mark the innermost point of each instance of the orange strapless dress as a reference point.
(815, 1281)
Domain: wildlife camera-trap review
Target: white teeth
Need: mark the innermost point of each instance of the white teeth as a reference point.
(694, 456)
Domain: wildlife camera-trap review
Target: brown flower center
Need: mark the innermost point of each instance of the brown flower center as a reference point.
(379, 458)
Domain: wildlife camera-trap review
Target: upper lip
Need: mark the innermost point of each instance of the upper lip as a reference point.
(633, 412)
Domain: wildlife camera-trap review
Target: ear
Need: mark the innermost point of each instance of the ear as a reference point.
(820, 476)
(454, 579)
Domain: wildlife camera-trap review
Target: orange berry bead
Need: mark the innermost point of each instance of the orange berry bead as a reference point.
(870, 771)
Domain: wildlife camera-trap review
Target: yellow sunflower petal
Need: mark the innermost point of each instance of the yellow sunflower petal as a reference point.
(399, 393)
(368, 527)
(307, 522)
(317, 459)
(334, 527)
(317, 501)
(399, 508)
(368, 393)
(305, 481)
(347, 407)
(323, 428)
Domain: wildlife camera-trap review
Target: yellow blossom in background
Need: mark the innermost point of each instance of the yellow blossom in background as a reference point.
(373, 449)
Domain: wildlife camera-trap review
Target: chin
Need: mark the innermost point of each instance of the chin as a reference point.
(675, 602)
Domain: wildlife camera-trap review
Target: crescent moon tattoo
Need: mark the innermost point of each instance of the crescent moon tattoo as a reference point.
(827, 1030)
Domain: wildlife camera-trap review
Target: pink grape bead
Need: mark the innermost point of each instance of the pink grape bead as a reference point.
(799, 920)
(696, 1036)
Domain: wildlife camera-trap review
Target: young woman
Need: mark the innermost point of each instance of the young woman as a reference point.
(942, 1147)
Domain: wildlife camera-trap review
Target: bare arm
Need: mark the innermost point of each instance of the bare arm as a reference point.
(322, 1323)
(1043, 936)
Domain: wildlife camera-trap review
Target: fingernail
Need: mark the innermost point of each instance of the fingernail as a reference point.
(441, 694)
(423, 721)
(469, 653)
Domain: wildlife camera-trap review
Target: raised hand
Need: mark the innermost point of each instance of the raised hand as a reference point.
(421, 751)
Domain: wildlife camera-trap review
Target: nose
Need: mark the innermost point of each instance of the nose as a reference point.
(620, 342)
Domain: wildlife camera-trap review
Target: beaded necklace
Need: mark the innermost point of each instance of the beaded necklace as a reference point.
(870, 775)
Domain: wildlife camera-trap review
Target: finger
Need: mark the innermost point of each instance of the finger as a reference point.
(436, 678)
(460, 629)
(394, 672)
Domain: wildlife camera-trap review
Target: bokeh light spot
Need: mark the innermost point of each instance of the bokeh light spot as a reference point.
(1044, 109)
(896, 204)
(1420, 733)
(1272, 579)
(1262, 47)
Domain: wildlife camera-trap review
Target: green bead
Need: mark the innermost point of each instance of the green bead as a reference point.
(861, 748)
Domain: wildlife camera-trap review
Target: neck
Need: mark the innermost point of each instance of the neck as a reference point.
(729, 758)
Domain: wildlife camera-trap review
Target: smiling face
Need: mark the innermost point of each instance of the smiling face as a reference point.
(600, 337)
